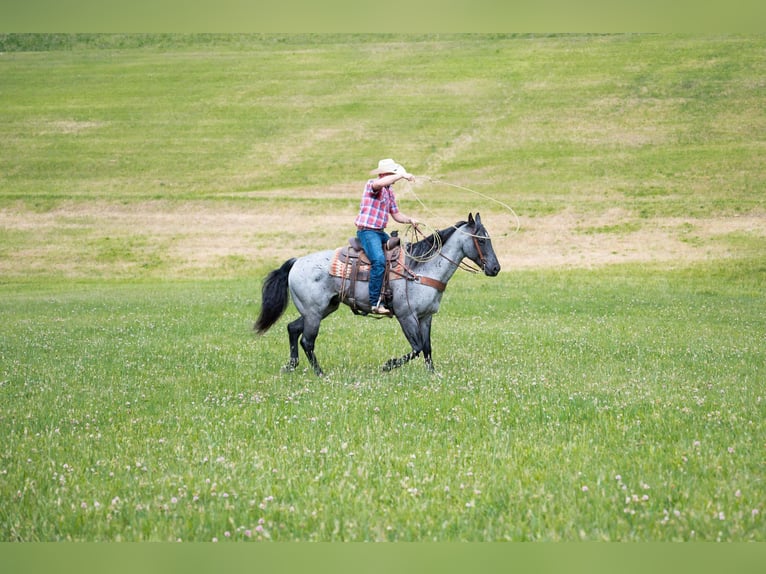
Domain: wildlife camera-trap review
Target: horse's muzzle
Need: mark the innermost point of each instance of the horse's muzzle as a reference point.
(492, 269)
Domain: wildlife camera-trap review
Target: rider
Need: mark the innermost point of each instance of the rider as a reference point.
(378, 201)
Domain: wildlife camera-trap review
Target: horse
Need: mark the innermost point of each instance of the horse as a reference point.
(316, 293)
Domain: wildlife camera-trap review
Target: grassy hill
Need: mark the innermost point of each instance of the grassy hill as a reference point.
(620, 134)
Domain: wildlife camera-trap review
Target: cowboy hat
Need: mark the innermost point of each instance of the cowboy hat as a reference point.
(388, 166)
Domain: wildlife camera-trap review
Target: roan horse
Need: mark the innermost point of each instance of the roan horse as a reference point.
(317, 294)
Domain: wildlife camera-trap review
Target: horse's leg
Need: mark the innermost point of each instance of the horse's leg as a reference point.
(310, 332)
(397, 362)
(294, 331)
(409, 324)
(425, 338)
(315, 294)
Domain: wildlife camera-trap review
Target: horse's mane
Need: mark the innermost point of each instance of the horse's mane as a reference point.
(428, 245)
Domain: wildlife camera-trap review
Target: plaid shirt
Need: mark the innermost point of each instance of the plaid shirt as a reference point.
(375, 207)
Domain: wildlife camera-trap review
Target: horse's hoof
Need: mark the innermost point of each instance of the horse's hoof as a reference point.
(290, 367)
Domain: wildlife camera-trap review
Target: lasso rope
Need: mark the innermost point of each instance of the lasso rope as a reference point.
(436, 248)
(487, 197)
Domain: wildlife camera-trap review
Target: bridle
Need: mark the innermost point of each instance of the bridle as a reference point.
(465, 266)
(482, 259)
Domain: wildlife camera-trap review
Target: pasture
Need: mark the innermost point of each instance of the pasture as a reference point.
(607, 385)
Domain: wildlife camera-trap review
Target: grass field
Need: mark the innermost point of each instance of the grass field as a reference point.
(607, 385)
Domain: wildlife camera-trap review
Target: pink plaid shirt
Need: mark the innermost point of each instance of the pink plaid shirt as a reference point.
(375, 207)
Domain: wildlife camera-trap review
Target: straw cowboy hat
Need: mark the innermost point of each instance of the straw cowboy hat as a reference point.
(388, 166)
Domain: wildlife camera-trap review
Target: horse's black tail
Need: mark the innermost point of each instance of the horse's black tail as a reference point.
(274, 297)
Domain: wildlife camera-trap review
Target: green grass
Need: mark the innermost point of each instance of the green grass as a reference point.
(622, 402)
(617, 406)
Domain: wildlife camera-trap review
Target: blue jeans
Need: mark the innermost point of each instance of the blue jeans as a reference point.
(372, 243)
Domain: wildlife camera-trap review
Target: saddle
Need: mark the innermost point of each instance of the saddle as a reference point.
(351, 264)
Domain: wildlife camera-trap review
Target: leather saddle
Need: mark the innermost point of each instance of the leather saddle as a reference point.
(351, 261)
(351, 264)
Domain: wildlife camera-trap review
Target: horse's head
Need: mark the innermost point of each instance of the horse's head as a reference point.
(479, 249)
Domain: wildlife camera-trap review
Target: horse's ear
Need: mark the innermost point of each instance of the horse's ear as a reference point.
(470, 219)
(478, 219)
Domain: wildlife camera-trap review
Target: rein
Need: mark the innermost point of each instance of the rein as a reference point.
(460, 264)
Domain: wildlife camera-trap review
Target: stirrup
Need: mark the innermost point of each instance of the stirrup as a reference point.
(381, 309)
